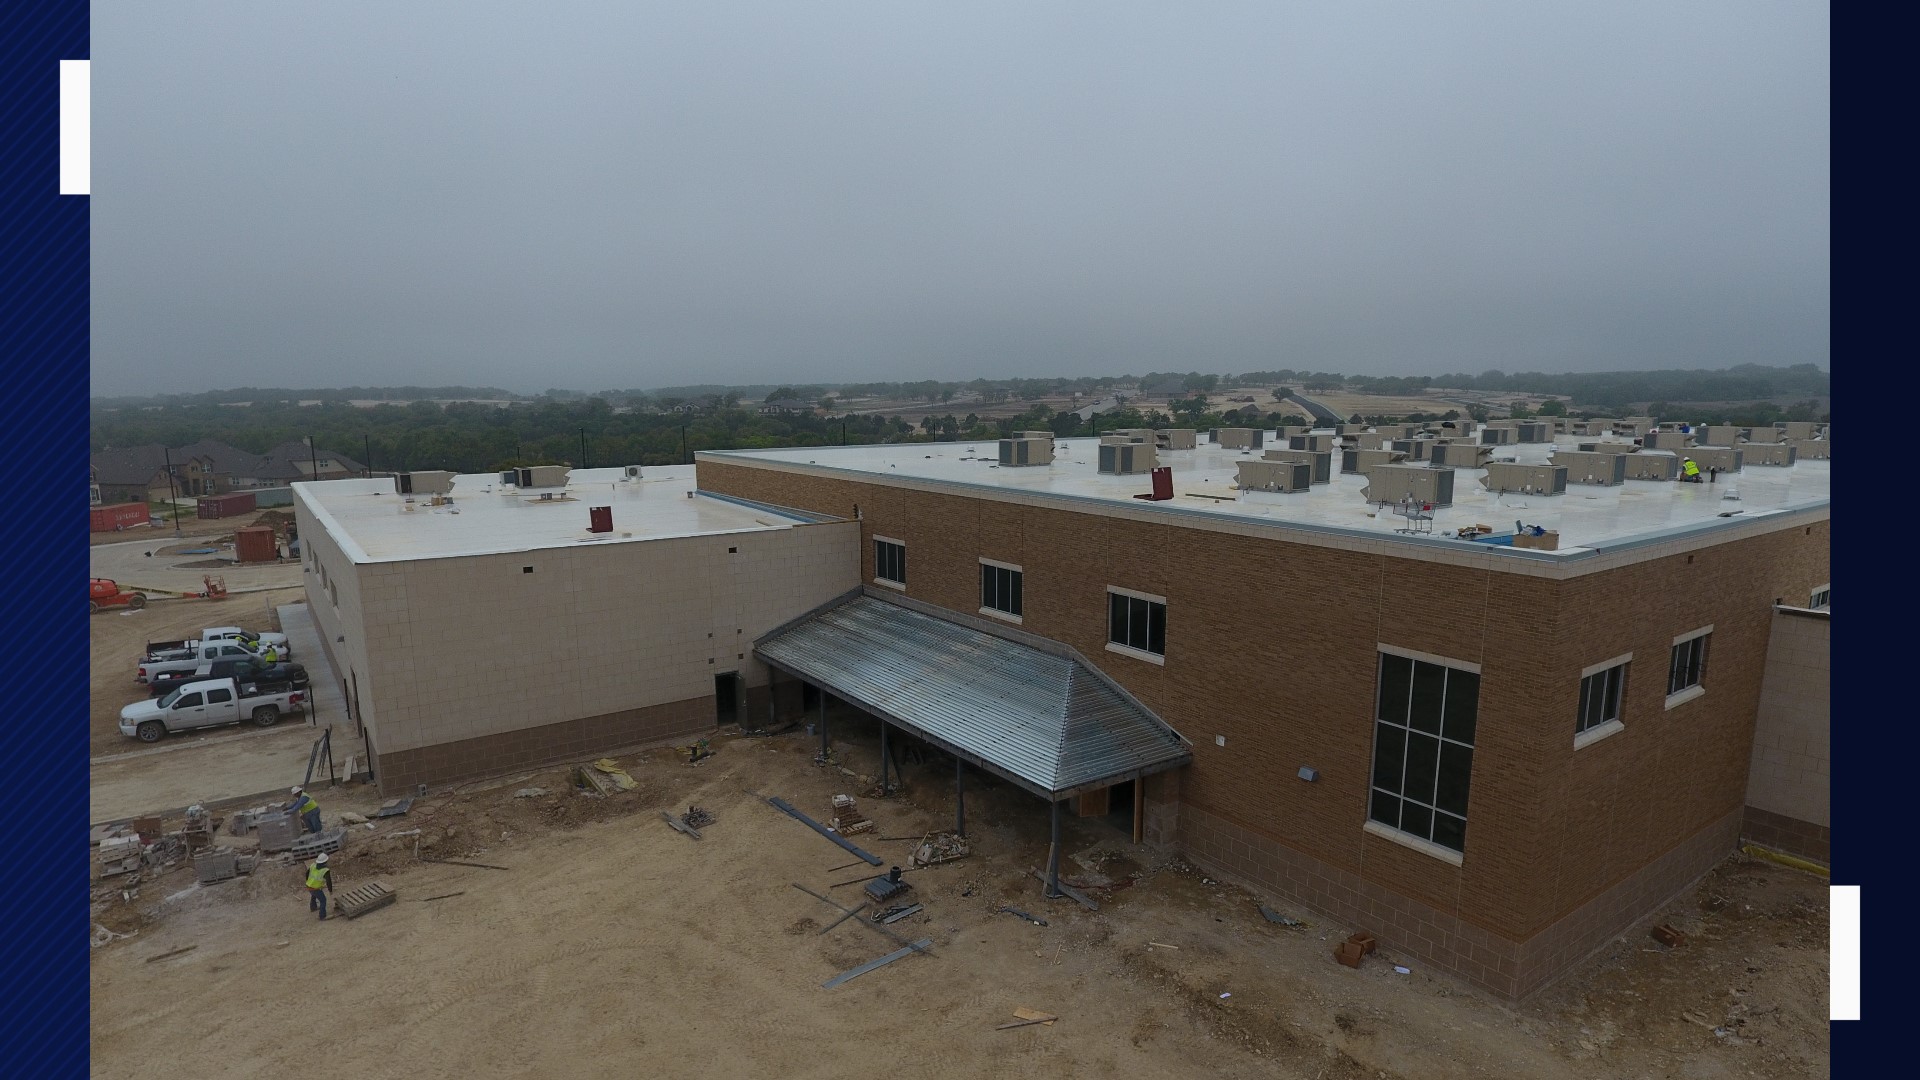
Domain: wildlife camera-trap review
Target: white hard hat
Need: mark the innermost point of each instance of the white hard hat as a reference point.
(322, 860)
(295, 791)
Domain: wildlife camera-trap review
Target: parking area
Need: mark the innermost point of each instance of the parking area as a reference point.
(129, 778)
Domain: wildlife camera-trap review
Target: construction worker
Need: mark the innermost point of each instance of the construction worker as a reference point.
(319, 884)
(268, 653)
(1689, 472)
(308, 810)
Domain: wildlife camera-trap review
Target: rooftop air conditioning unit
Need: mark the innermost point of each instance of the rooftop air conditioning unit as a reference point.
(1275, 476)
(1121, 457)
(1585, 467)
(542, 476)
(1320, 461)
(423, 483)
(631, 472)
(1016, 452)
(510, 476)
(1392, 483)
(1504, 476)
(1652, 465)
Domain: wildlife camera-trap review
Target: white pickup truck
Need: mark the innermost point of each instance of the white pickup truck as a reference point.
(187, 660)
(208, 704)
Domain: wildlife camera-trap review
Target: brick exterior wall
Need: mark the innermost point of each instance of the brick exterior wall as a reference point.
(1272, 640)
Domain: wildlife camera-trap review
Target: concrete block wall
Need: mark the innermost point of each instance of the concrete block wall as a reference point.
(1554, 833)
(474, 664)
(1790, 780)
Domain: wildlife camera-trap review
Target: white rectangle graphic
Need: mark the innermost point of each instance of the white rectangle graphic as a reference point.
(1843, 952)
(76, 127)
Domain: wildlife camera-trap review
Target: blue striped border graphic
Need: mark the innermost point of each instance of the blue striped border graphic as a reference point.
(43, 345)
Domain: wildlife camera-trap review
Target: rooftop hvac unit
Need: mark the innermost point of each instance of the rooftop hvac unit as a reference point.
(1666, 440)
(1414, 449)
(1176, 438)
(1239, 438)
(1372, 440)
(1026, 452)
(1533, 431)
(1462, 454)
(1721, 435)
(1769, 454)
(1504, 476)
(631, 472)
(1321, 461)
(1275, 476)
(1725, 459)
(1795, 429)
(1811, 449)
(1126, 458)
(1359, 461)
(1312, 442)
(1652, 465)
(1047, 435)
(1421, 483)
(510, 476)
(542, 476)
(1584, 467)
(1607, 447)
(423, 483)
(1496, 436)
(1398, 431)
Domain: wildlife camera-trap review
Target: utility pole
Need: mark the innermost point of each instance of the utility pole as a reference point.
(684, 458)
(172, 497)
(313, 455)
(369, 469)
(843, 431)
(583, 448)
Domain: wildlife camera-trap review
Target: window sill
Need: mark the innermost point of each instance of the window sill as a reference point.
(1674, 701)
(1424, 847)
(897, 586)
(1137, 654)
(996, 613)
(1595, 734)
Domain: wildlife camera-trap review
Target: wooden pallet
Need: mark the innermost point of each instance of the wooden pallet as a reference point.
(361, 899)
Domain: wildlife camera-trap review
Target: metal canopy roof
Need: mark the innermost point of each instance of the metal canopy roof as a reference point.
(1039, 717)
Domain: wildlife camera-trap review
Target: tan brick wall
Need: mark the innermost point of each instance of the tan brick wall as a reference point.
(1789, 781)
(1272, 643)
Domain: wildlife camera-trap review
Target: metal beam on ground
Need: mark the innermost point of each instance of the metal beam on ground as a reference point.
(788, 808)
(854, 973)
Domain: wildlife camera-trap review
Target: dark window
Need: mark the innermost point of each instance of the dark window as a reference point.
(1823, 598)
(890, 561)
(219, 697)
(1000, 589)
(1136, 623)
(1689, 664)
(1600, 695)
(1423, 749)
(187, 701)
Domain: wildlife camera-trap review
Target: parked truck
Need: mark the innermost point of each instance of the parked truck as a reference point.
(180, 650)
(209, 704)
(188, 661)
(245, 669)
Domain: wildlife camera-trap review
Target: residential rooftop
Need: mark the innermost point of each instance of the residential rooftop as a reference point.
(372, 522)
(1588, 518)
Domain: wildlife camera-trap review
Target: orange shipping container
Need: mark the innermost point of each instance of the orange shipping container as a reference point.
(255, 543)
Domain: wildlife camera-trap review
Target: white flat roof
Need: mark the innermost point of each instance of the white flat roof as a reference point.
(1586, 517)
(373, 523)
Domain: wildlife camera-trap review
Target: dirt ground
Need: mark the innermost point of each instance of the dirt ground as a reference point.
(118, 636)
(612, 944)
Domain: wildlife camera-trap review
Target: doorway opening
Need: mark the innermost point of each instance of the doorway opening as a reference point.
(726, 698)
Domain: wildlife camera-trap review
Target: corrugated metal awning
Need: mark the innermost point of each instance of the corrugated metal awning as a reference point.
(1043, 720)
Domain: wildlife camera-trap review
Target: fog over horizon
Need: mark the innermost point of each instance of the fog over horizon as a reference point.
(599, 195)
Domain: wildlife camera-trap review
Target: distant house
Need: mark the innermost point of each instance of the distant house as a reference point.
(685, 408)
(786, 405)
(139, 474)
(230, 468)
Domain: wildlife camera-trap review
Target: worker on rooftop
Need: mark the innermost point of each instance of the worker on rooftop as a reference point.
(308, 810)
(319, 884)
(1689, 472)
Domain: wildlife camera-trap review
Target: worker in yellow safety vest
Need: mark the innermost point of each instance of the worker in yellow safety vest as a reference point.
(308, 810)
(319, 884)
(1690, 473)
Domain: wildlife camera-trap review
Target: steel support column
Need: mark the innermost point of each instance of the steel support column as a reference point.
(1053, 855)
(884, 789)
(959, 797)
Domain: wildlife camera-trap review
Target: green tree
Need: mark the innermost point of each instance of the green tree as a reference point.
(1553, 407)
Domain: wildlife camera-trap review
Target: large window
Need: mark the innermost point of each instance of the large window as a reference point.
(1137, 622)
(999, 588)
(1689, 664)
(890, 561)
(1600, 694)
(1423, 749)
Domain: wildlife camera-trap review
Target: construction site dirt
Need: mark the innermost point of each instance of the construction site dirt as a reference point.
(582, 936)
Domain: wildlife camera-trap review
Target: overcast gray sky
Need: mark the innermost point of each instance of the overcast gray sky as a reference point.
(623, 194)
